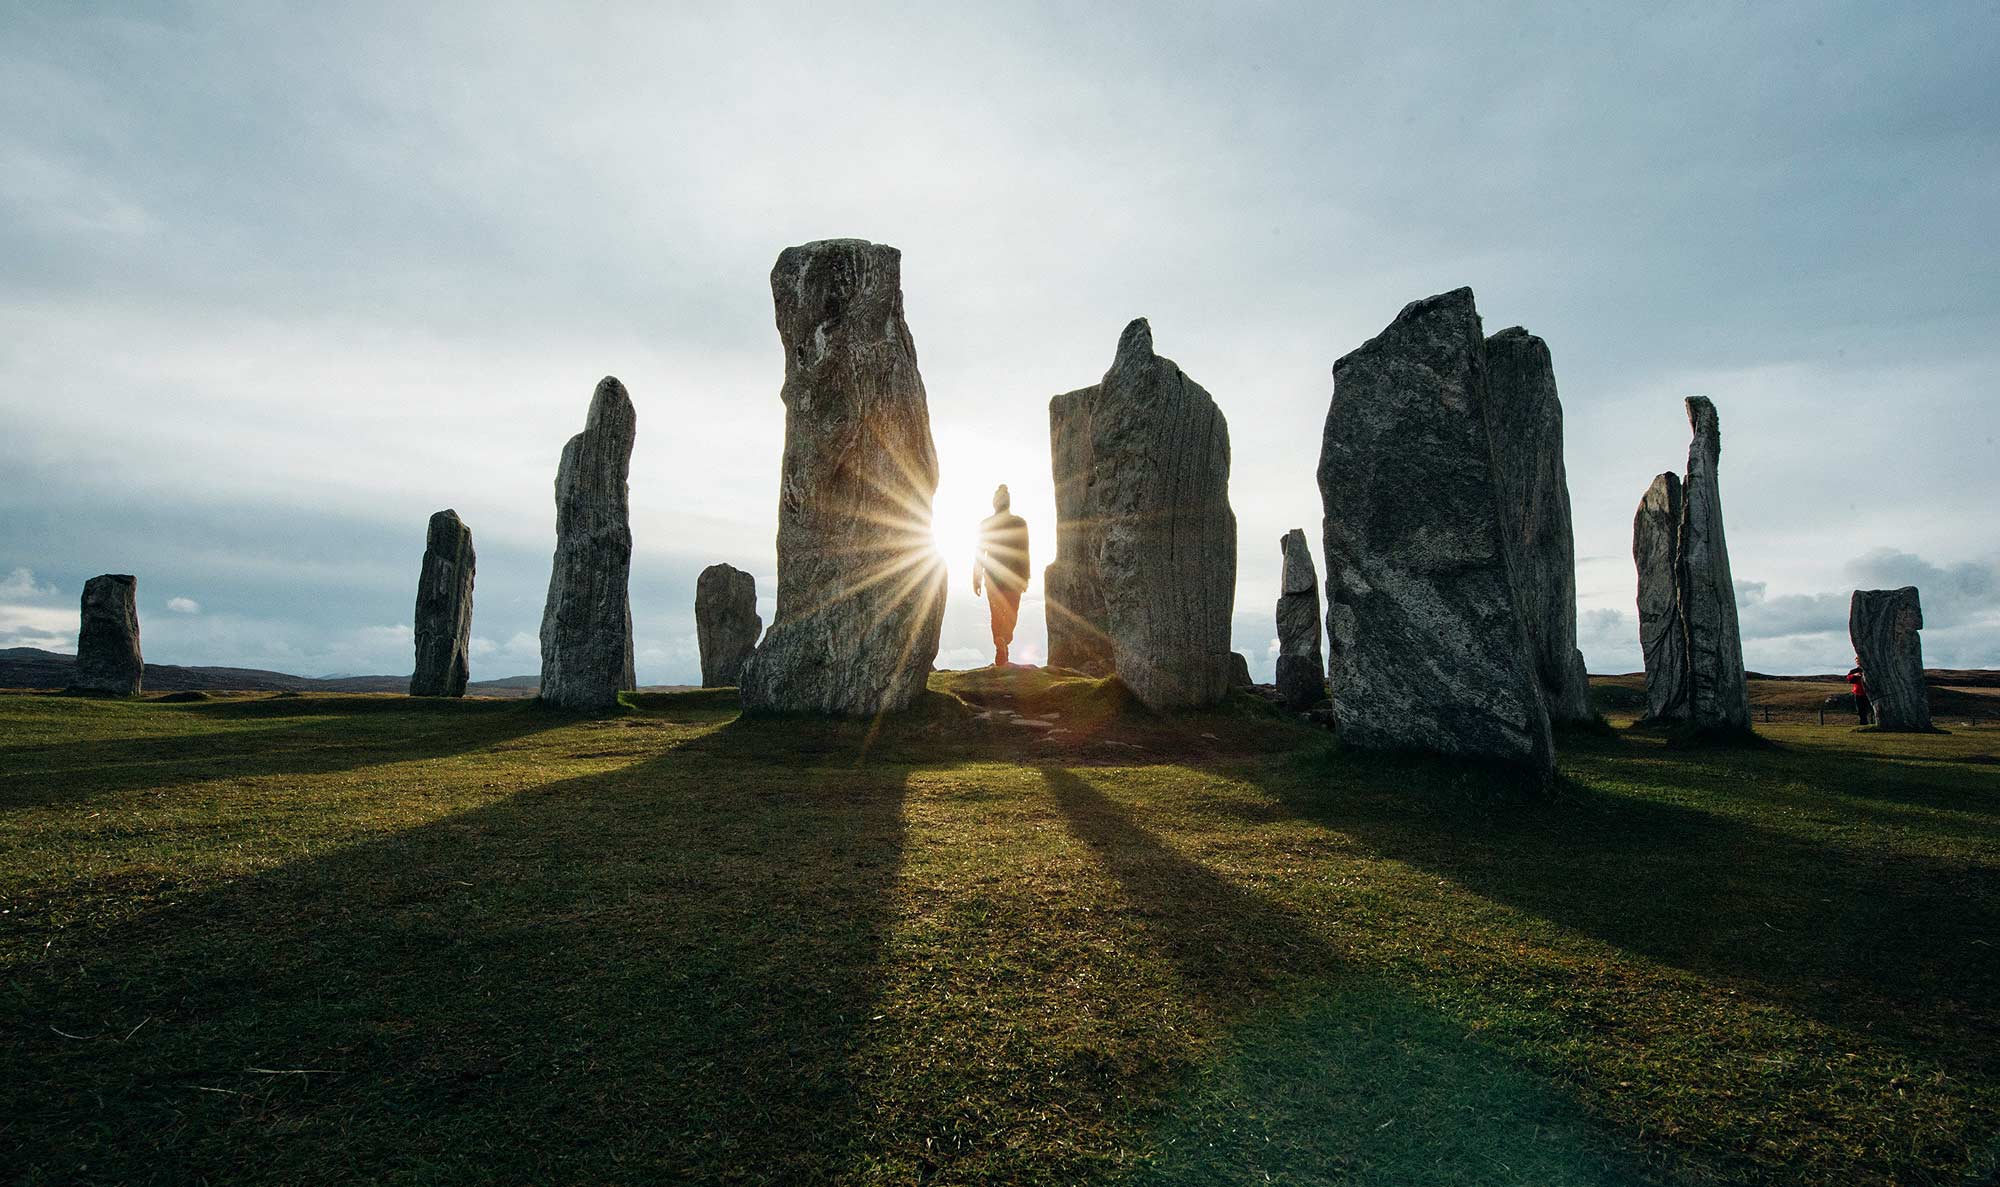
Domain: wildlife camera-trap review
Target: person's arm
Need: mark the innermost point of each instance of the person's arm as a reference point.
(978, 572)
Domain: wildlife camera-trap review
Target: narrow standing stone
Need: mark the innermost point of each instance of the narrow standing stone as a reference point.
(1153, 531)
(726, 623)
(1884, 624)
(444, 609)
(1301, 670)
(1525, 419)
(587, 623)
(1656, 532)
(1718, 692)
(1073, 589)
(108, 662)
(1428, 649)
(860, 587)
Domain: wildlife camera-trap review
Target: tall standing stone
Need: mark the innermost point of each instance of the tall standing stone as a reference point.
(860, 587)
(1718, 692)
(726, 623)
(444, 609)
(1428, 649)
(587, 622)
(1525, 420)
(1884, 624)
(108, 662)
(1656, 534)
(1301, 669)
(1154, 518)
(1072, 588)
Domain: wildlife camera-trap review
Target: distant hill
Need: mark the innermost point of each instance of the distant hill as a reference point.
(31, 667)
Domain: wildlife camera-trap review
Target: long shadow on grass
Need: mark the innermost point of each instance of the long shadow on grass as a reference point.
(1886, 943)
(1324, 1077)
(654, 973)
(304, 737)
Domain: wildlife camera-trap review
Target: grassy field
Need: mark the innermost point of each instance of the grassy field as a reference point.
(317, 939)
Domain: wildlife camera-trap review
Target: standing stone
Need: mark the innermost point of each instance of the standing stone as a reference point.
(1656, 533)
(444, 609)
(587, 623)
(860, 587)
(726, 623)
(1718, 692)
(1239, 671)
(1883, 624)
(108, 662)
(1525, 420)
(1301, 670)
(1428, 649)
(1150, 532)
(1073, 591)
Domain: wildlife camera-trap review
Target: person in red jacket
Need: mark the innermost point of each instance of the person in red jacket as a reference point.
(1002, 569)
(1857, 684)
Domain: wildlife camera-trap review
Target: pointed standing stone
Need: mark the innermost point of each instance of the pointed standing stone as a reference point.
(1525, 419)
(726, 623)
(1073, 590)
(108, 662)
(1301, 668)
(1167, 548)
(444, 609)
(860, 587)
(1884, 624)
(1718, 693)
(587, 623)
(1656, 532)
(1428, 649)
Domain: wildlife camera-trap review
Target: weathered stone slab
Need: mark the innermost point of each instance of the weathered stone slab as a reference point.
(1718, 692)
(108, 662)
(1525, 420)
(1428, 651)
(860, 587)
(1301, 667)
(1656, 533)
(726, 623)
(444, 609)
(1239, 671)
(1885, 626)
(1156, 508)
(1073, 589)
(587, 623)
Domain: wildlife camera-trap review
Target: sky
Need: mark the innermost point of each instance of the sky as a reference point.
(279, 281)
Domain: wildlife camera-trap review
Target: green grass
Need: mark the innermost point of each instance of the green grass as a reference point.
(373, 939)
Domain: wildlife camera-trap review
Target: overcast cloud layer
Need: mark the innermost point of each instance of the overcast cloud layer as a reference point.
(279, 285)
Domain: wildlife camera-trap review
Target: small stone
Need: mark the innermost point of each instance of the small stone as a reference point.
(860, 587)
(1073, 590)
(1656, 530)
(1301, 668)
(108, 662)
(444, 609)
(1884, 625)
(1239, 671)
(1428, 651)
(726, 623)
(587, 623)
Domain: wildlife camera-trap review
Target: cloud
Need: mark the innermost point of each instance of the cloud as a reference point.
(21, 586)
(183, 605)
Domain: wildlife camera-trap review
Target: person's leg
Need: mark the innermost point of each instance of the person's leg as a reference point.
(1862, 709)
(1006, 606)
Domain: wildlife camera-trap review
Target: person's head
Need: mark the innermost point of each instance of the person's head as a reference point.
(1001, 499)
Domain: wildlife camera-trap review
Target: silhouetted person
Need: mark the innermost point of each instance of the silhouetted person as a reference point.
(1857, 683)
(1002, 569)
